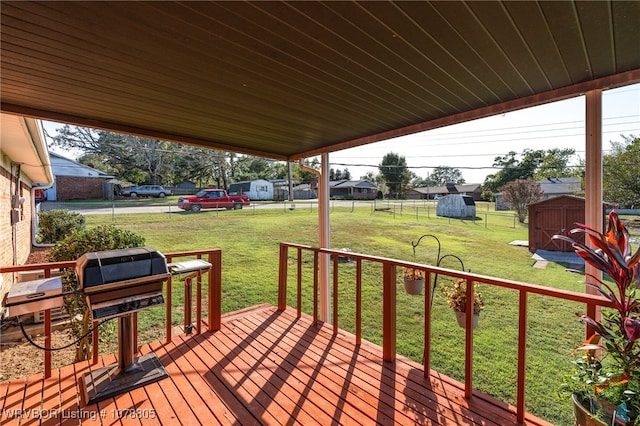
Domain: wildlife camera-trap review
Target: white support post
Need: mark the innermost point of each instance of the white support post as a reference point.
(324, 238)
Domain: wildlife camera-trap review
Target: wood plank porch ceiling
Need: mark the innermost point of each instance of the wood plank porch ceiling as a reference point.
(264, 367)
(291, 79)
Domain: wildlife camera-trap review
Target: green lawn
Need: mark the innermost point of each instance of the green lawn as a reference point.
(249, 242)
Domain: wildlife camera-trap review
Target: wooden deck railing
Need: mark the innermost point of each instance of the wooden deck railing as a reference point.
(389, 267)
(214, 293)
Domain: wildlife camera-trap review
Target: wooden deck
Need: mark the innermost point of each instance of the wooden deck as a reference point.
(262, 367)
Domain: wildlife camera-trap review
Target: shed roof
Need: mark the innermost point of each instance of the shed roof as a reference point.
(292, 79)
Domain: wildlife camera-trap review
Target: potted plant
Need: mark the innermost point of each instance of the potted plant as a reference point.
(456, 294)
(607, 372)
(413, 280)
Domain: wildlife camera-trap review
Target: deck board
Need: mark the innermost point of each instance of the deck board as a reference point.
(263, 367)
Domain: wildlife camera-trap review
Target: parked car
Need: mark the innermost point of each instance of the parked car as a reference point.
(146, 191)
(212, 199)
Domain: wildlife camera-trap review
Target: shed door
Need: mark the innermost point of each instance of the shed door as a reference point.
(556, 220)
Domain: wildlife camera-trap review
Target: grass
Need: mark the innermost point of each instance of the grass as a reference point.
(249, 242)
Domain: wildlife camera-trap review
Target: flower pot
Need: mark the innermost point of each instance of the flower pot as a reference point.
(413, 286)
(582, 412)
(462, 319)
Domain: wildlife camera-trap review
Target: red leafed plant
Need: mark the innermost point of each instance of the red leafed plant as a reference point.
(618, 333)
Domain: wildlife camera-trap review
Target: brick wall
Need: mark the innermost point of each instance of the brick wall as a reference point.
(79, 187)
(14, 238)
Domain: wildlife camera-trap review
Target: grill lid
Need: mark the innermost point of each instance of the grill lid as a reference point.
(98, 271)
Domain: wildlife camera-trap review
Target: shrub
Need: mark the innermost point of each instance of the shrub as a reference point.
(54, 225)
(105, 237)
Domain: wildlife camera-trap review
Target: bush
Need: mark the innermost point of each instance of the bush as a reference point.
(54, 225)
(105, 237)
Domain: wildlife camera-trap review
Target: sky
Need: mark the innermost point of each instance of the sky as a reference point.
(473, 146)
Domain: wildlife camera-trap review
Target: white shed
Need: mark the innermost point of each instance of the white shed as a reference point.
(455, 205)
(259, 189)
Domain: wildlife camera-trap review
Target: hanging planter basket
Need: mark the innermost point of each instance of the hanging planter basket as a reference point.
(462, 319)
(413, 287)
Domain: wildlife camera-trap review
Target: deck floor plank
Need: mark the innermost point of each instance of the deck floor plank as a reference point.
(263, 367)
(32, 403)
(265, 392)
(416, 389)
(308, 382)
(159, 407)
(392, 383)
(180, 392)
(352, 372)
(301, 351)
(211, 399)
(275, 379)
(384, 397)
(14, 395)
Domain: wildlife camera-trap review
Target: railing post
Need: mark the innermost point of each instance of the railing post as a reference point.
(47, 334)
(335, 294)
(214, 291)
(522, 356)
(299, 286)
(315, 287)
(426, 357)
(167, 307)
(358, 302)
(468, 358)
(388, 312)
(282, 277)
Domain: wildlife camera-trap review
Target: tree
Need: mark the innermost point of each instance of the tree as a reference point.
(393, 169)
(131, 156)
(339, 174)
(555, 164)
(444, 174)
(621, 175)
(512, 168)
(520, 193)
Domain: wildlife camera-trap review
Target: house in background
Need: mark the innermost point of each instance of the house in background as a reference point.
(555, 187)
(352, 190)
(24, 167)
(551, 188)
(473, 190)
(74, 180)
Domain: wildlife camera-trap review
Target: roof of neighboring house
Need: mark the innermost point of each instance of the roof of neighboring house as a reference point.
(63, 166)
(225, 74)
(22, 140)
(351, 184)
(565, 185)
(467, 187)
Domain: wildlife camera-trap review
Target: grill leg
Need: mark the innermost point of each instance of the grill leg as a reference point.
(126, 343)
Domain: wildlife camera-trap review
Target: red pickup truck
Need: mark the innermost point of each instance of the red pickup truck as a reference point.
(212, 199)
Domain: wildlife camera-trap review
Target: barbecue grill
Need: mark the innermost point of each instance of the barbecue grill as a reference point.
(118, 283)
